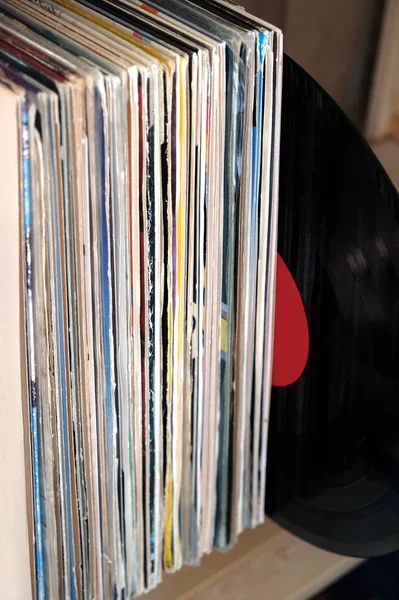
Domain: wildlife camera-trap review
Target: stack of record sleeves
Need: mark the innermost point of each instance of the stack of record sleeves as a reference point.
(149, 157)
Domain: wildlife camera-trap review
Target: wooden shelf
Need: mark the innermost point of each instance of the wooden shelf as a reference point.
(267, 562)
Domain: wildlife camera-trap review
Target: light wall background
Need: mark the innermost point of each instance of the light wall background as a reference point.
(334, 40)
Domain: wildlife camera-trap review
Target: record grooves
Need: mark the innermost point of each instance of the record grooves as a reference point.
(332, 468)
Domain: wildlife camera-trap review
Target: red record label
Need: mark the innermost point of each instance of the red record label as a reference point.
(291, 332)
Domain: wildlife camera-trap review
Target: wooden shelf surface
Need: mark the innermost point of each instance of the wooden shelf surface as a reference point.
(266, 563)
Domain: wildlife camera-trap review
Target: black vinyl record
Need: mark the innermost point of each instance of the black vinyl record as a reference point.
(333, 462)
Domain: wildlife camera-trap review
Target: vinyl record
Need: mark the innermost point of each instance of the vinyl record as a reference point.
(333, 462)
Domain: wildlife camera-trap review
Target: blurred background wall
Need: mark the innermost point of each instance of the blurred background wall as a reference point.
(334, 40)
